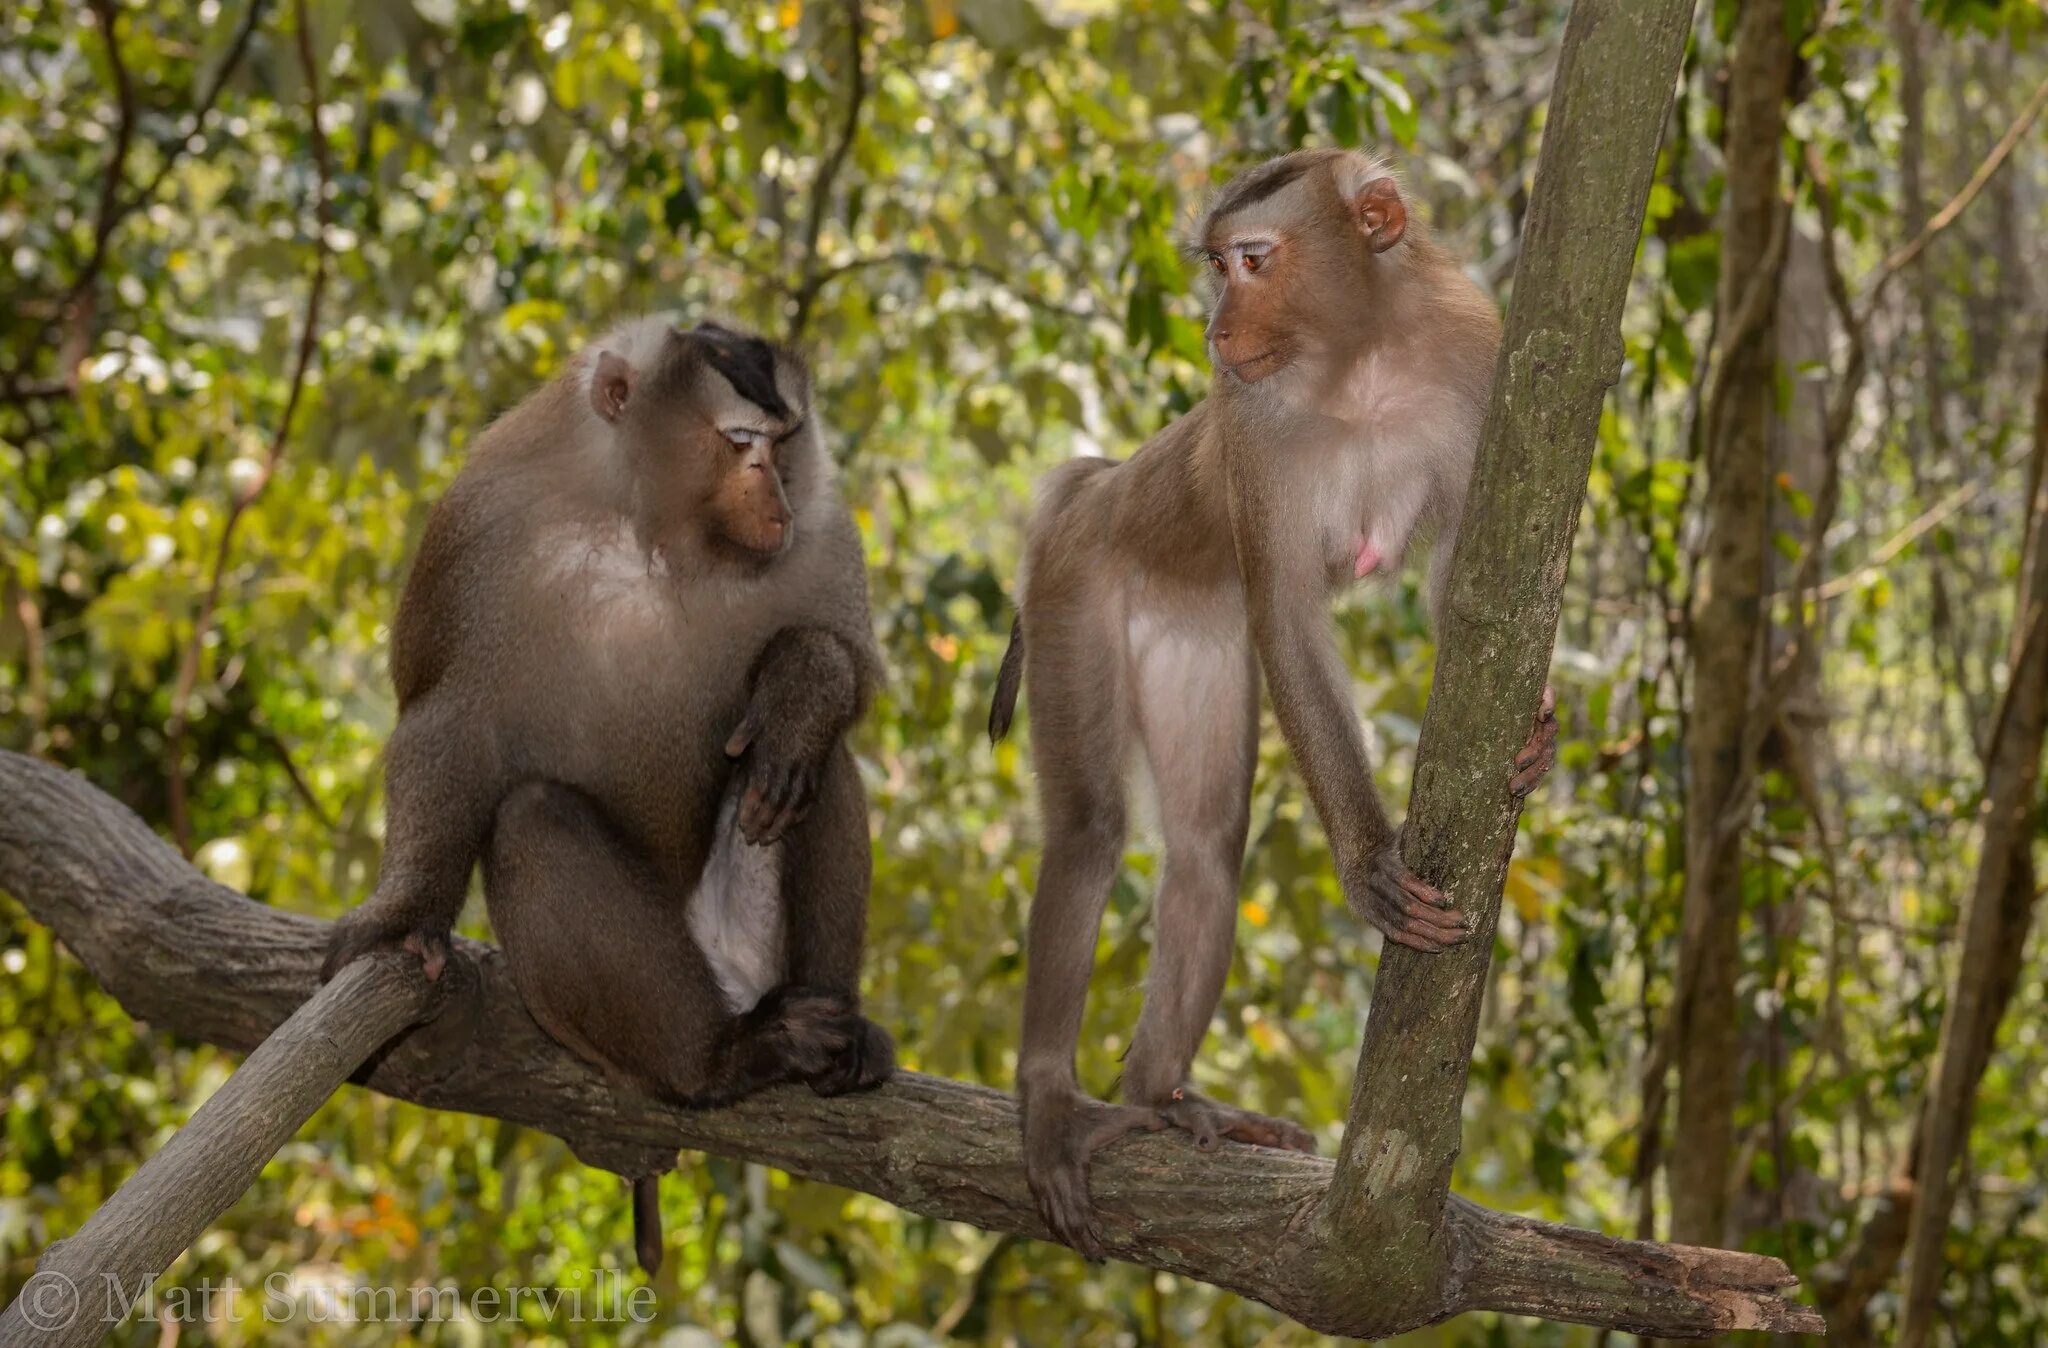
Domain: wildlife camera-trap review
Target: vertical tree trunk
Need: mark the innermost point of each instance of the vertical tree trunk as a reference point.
(1561, 349)
(2000, 909)
(1727, 626)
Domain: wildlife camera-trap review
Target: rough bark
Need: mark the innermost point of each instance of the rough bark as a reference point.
(2000, 909)
(207, 1164)
(196, 959)
(1727, 626)
(1561, 349)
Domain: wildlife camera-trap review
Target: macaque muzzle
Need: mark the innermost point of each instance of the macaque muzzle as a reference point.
(755, 513)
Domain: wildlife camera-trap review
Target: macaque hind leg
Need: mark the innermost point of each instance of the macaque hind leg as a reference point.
(1198, 715)
(1077, 743)
(603, 956)
(827, 867)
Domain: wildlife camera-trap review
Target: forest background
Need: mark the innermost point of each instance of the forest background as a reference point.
(271, 265)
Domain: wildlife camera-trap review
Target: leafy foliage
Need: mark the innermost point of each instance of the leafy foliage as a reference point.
(987, 276)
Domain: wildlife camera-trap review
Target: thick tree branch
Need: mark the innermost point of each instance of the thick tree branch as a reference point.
(196, 959)
(207, 1164)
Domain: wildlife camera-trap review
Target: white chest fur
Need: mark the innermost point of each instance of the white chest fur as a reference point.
(736, 914)
(618, 590)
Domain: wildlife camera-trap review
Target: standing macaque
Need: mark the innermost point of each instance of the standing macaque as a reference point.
(1353, 364)
(627, 659)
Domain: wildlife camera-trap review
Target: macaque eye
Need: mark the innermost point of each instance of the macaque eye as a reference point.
(740, 437)
(1254, 261)
(1216, 263)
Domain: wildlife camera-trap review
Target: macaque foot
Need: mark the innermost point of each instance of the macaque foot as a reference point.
(1540, 753)
(821, 1038)
(1211, 1123)
(1060, 1135)
(359, 932)
(1411, 911)
(867, 1061)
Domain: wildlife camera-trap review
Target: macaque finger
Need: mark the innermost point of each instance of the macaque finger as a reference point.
(754, 813)
(1415, 940)
(1444, 919)
(1424, 890)
(742, 736)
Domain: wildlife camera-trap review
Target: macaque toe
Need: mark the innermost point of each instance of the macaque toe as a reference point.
(1539, 755)
(1210, 1123)
(355, 936)
(816, 1030)
(1059, 1137)
(432, 949)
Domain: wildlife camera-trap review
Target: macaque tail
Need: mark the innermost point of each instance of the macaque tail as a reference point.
(1007, 680)
(647, 1222)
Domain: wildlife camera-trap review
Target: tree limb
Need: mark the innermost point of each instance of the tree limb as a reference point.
(197, 959)
(207, 1164)
(1561, 349)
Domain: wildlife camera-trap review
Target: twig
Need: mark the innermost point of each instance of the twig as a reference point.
(177, 149)
(1948, 214)
(1903, 539)
(828, 174)
(113, 210)
(73, 309)
(309, 335)
(913, 257)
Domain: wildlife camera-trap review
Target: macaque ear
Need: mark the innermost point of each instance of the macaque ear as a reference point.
(610, 385)
(1381, 213)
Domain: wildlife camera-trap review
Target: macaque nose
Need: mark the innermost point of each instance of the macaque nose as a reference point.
(1219, 335)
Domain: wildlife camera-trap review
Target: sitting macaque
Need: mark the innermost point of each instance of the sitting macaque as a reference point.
(626, 659)
(1353, 364)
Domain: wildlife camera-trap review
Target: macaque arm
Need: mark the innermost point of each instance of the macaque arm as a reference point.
(1284, 600)
(441, 788)
(1283, 575)
(807, 690)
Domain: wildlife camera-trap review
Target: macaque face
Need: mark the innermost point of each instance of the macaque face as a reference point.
(717, 433)
(1290, 251)
(749, 507)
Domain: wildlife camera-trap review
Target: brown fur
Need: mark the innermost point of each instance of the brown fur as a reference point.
(630, 648)
(1353, 365)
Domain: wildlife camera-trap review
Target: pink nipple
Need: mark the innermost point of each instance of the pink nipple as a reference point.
(1367, 559)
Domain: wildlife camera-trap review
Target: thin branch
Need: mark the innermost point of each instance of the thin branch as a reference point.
(917, 258)
(1948, 214)
(828, 174)
(182, 146)
(113, 209)
(73, 311)
(124, 134)
(309, 340)
(1903, 539)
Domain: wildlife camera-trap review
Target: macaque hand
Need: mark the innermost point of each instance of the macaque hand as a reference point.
(365, 928)
(779, 769)
(1539, 755)
(1409, 910)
